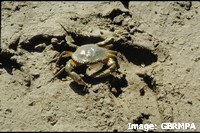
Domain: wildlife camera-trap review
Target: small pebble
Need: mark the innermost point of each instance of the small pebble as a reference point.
(101, 100)
(111, 108)
(80, 110)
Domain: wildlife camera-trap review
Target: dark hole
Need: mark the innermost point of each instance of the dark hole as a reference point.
(115, 130)
(33, 42)
(77, 88)
(142, 92)
(63, 46)
(135, 55)
(118, 84)
(149, 81)
(38, 39)
(139, 120)
(116, 12)
(7, 63)
(81, 40)
(145, 116)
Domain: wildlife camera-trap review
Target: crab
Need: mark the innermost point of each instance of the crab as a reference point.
(88, 54)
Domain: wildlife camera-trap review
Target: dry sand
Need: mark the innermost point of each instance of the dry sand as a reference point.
(158, 78)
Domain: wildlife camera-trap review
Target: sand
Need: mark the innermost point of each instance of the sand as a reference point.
(157, 79)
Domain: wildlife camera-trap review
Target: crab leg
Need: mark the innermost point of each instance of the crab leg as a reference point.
(112, 65)
(69, 39)
(58, 59)
(63, 54)
(77, 78)
(58, 73)
(109, 40)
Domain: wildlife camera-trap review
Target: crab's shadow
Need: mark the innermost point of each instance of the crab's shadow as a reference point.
(77, 88)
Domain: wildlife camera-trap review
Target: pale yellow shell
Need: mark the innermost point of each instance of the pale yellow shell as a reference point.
(89, 53)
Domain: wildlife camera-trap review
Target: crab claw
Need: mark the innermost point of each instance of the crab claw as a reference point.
(86, 86)
(111, 67)
(79, 80)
